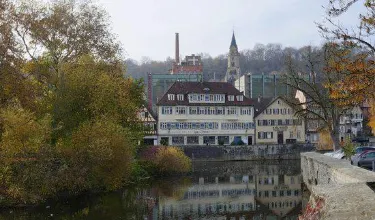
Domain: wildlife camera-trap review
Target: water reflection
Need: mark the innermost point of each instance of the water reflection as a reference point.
(225, 190)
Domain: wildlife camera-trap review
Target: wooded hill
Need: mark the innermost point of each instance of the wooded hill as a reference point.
(261, 59)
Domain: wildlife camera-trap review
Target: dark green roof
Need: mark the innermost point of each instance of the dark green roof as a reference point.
(233, 43)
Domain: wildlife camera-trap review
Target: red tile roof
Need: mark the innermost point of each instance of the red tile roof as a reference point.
(186, 88)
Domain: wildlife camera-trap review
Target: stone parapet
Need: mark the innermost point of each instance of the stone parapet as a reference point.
(341, 186)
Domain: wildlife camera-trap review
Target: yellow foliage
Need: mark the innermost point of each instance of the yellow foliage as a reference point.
(372, 116)
(172, 159)
(23, 134)
(325, 141)
(99, 155)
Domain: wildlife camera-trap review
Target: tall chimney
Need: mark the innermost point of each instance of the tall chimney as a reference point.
(177, 56)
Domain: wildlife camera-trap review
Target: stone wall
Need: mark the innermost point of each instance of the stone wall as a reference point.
(341, 186)
(248, 152)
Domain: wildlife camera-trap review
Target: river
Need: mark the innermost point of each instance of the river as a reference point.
(214, 190)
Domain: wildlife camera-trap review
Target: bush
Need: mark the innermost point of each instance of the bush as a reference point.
(172, 160)
(348, 148)
(162, 159)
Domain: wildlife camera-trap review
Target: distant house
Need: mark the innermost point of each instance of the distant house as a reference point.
(205, 113)
(276, 122)
(149, 120)
(351, 123)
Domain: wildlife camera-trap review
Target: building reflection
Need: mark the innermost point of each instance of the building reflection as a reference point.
(266, 192)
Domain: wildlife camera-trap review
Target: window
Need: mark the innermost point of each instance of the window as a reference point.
(180, 97)
(291, 135)
(201, 111)
(209, 139)
(220, 111)
(166, 110)
(276, 111)
(232, 110)
(279, 122)
(163, 126)
(223, 139)
(192, 139)
(245, 111)
(298, 134)
(289, 111)
(289, 192)
(192, 110)
(178, 140)
(296, 192)
(287, 122)
(281, 193)
(265, 135)
(170, 97)
(274, 194)
(231, 98)
(265, 122)
(240, 98)
(180, 110)
(272, 122)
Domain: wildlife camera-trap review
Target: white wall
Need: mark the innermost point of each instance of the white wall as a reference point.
(279, 104)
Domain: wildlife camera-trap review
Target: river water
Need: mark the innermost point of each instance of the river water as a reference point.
(214, 190)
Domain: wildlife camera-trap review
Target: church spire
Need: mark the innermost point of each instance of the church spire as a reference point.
(233, 43)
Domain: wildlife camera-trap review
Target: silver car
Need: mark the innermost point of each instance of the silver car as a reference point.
(365, 160)
(359, 151)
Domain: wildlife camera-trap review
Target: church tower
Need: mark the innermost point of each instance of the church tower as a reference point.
(233, 71)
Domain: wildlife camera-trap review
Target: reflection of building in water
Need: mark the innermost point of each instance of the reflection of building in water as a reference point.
(218, 197)
(239, 195)
(281, 194)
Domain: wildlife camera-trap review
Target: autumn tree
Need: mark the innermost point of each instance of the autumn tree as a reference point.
(355, 48)
(319, 106)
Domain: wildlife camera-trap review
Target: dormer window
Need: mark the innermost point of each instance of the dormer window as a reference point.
(240, 98)
(231, 98)
(180, 97)
(170, 97)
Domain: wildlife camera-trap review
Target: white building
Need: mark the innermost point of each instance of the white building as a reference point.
(276, 122)
(351, 123)
(200, 113)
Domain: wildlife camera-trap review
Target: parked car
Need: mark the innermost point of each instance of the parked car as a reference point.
(339, 154)
(365, 159)
(359, 151)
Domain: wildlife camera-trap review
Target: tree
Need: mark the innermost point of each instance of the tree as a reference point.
(319, 105)
(64, 31)
(354, 59)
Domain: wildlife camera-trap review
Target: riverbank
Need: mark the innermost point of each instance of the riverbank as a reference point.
(212, 190)
(246, 152)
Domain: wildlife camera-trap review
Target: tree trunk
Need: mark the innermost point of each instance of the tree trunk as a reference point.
(335, 138)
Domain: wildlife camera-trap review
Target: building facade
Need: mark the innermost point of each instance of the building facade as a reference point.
(351, 123)
(275, 122)
(149, 120)
(261, 85)
(205, 113)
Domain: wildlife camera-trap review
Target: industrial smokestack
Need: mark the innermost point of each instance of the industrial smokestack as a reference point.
(177, 56)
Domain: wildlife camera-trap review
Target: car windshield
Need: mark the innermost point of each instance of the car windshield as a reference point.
(361, 149)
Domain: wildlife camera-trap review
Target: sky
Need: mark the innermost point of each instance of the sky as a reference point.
(146, 28)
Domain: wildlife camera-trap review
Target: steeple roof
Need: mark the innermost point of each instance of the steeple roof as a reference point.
(233, 43)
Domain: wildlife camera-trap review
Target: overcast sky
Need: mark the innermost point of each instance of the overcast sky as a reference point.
(146, 28)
